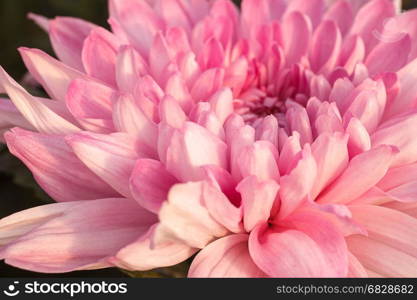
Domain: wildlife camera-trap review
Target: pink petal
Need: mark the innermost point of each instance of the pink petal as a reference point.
(362, 173)
(268, 130)
(150, 183)
(389, 57)
(129, 67)
(370, 19)
(260, 160)
(356, 270)
(46, 156)
(331, 156)
(299, 122)
(91, 104)
(226, 257)
(223, 181)
(207, 84)
(389, 262)
(406, 98)
(297, 185)
(173, 13)
(41, 21)
(258, 198)
(99, 55)
(185, 217)
(111, 157)
(143, 255)
(324, 55)
(53, 75)
(139, 21)
(212, 55)
(159, 57)
(398, 176)
(388, 226)
(392, 235)
(171, 113)
(129, 117)
(255, 13)
(289, 153)
(313, 9)
(359, 139)
(11, 117)
(45, 115)
(342, 13)
(177, 88)
(82, 236)
(399, 133)
(353, 52)
(288, 252)
(296, 36)
(67, 38)
(194, 147)
(222, 209)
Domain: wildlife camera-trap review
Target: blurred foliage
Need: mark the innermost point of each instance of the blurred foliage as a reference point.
(18, 190)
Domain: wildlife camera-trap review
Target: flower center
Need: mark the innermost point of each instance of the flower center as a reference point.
(273, 96)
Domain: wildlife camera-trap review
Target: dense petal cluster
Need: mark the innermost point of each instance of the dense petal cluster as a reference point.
(275, 140)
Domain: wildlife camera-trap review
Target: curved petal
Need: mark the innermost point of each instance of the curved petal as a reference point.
(302, 251)
(46, 116)
(55, 167)
(226, 257)
(53, 75)
(142, 254)
(67, 38)
(150, 183)
(81, 236)
(362, 173)
(111, 157)
(185, 217)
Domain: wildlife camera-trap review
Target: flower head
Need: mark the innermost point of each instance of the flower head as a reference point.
(275, 140)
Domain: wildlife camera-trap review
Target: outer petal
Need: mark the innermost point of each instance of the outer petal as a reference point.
(192, 148)
(139, 21)
(184, 217)
(302, 251)
(370, 19)
(99, 55)
(324, 56)
(258, 199)
(295, 25)
(296, 186)
(362, 173)
(222, 209)
(142, 254)
(91, 104)
(11, 117)
(389, 56)
(67, 38)
(150, 183)
(111, 157)
(129, 117)
(226, 257)
(81, 236)
(399, 133)
(58, 171)
(53, 75)
(129, 67)
(392, 235)
(46, 116)
(331, 156)
(260, 160)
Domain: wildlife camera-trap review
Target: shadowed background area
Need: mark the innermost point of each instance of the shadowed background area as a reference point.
(18, 190)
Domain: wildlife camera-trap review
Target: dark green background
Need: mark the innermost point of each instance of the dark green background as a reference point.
(17, 188)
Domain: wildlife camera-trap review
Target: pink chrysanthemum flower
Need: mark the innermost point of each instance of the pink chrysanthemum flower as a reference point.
(278, 139)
